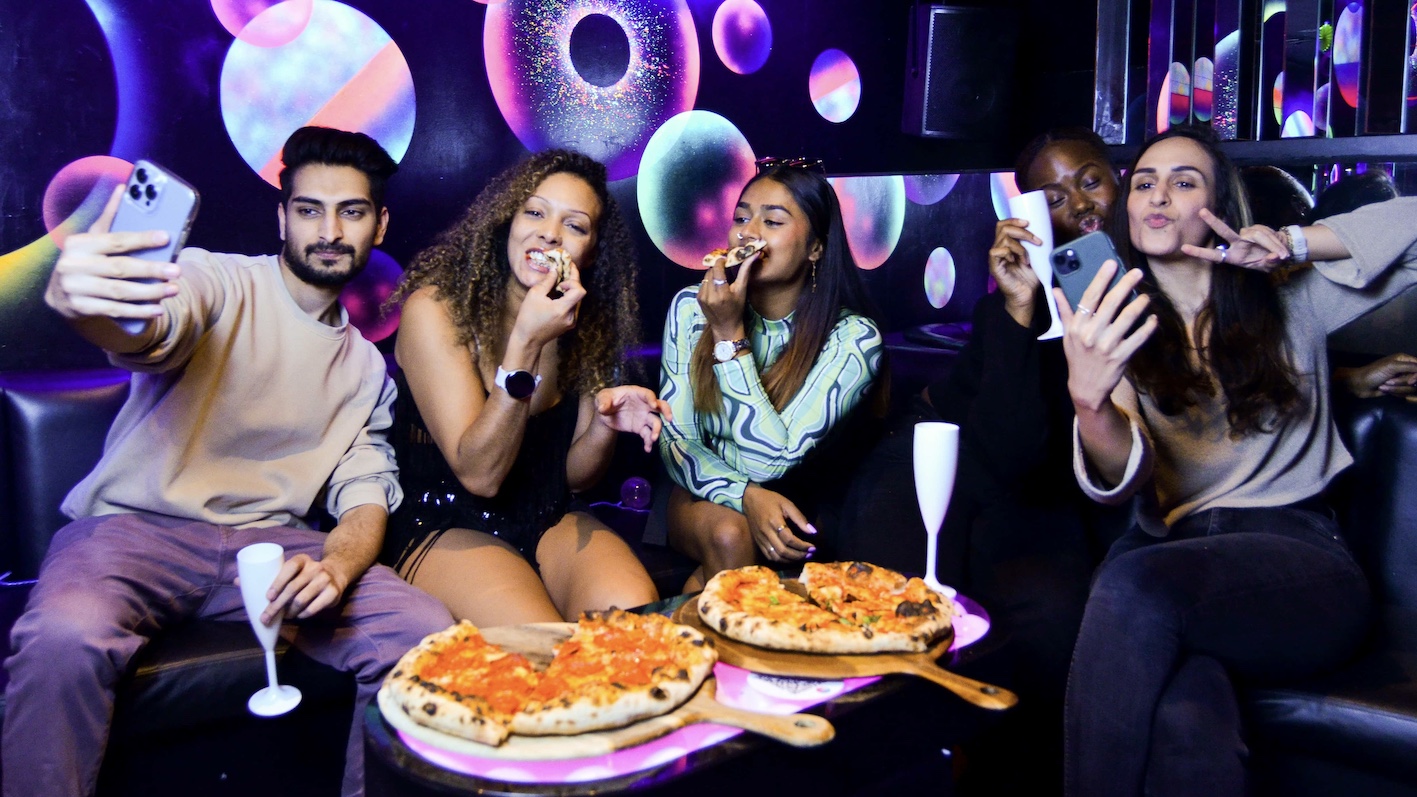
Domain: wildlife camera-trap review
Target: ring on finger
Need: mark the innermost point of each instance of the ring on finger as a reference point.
(720, 282)
(780, 529)
(1224, 252)
(1083, 310)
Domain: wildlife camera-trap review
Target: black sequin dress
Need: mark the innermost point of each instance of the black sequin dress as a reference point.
(533, 497)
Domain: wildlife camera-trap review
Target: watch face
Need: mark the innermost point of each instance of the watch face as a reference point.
(724, 350)
(520, 384)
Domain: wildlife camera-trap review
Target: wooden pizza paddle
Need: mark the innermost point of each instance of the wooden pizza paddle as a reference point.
(837, 666)
(537, 641)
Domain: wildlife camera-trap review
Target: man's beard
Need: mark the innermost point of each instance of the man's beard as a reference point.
(310, 275)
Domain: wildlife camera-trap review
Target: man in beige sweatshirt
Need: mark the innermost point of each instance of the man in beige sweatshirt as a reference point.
(252, 397)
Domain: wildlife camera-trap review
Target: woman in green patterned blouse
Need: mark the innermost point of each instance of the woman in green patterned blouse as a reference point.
(758, 370)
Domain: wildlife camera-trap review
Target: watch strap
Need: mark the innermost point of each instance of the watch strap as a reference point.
(1298, 243)
(501, 380)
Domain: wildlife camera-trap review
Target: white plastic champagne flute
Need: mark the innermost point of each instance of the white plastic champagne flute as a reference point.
(257, 566)
(936, 459)
(1033, 208)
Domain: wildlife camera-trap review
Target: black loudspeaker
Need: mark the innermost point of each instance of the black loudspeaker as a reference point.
(960, 71)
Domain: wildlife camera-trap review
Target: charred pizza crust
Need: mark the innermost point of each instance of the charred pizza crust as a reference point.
(456, 682)
(751, 604)
(617, 668)
(736, 255)
(558, 260)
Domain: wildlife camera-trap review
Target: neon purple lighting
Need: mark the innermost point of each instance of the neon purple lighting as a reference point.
(742, 36)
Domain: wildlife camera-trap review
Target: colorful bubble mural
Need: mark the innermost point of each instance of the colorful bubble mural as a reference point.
(939, 277)
(693, 169)
(1348, 52)
(342, 71)
(742, 36)
(76, 195)
(834, 85)
(364, 297)
(1002, 188)
(874, 211)
(264, 23)
(548, 102)
(927, 189)
(1202, 95)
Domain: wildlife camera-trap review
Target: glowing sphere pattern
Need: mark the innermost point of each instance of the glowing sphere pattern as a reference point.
(1298, 125)
(1163, 105)
(549, 103)
(692, 172)
(1322, 97)
(834, 85)
(342, 71)
(874, 211)
(1202, 98)
(636, 493)
(742, 36)
(1002, 188)
(927, 189)
(1180, 94)
(364, 297)
(1277, 97)
(1225, 112)
(76, 195)
(940, 277)
(264, 23)
(1348, 52)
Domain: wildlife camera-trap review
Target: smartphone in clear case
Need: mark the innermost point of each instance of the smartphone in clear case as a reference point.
(155, 199)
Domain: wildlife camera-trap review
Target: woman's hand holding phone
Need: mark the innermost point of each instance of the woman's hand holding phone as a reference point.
(1099, 336)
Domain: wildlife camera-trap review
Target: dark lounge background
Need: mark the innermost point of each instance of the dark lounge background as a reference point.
(92, 85)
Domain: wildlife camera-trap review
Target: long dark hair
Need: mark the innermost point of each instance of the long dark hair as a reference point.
(468, 265)
(835, 286)
(1240, 333)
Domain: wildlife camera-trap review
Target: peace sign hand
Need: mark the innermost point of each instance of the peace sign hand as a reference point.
(1255, 247)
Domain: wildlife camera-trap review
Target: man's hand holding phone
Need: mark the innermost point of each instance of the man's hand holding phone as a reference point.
(95, 283)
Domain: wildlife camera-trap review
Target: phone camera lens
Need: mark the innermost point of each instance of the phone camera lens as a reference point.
(151, 192)
(142, 175)
(135, 192)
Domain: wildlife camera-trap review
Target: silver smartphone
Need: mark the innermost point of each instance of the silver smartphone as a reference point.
(155, 199)
(1076, 263)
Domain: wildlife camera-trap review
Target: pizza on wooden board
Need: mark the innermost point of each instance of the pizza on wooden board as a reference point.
(849, 607)
(616, 668)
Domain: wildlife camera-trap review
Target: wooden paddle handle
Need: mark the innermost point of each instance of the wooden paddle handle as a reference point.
(798, 730)
(983, 695)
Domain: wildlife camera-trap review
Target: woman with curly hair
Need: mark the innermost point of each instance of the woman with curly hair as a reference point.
(507, 404)
(758, 371)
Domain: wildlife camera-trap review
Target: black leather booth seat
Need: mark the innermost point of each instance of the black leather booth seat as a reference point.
(180, 725)
(1355, 731)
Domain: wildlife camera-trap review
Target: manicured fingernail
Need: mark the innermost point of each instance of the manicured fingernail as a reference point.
(172, 271)
(810, 529)
(811, 550)
(808, 556)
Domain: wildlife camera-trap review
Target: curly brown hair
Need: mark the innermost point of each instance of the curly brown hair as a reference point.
(468, 265)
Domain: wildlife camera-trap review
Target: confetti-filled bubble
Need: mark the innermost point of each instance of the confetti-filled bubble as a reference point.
(264, 23)
(1202, 97)
(1348, 52)
(927, 189)
(364, 297)
(940, 277)
(1226, 82)
(1278, 98)
(342, 71)
(693, 170)
(874, 211)
(76, 195)
(742, 36)
(834, 85)
(549, 102)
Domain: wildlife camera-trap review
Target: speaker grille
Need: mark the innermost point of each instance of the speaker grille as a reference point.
(957, 84)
